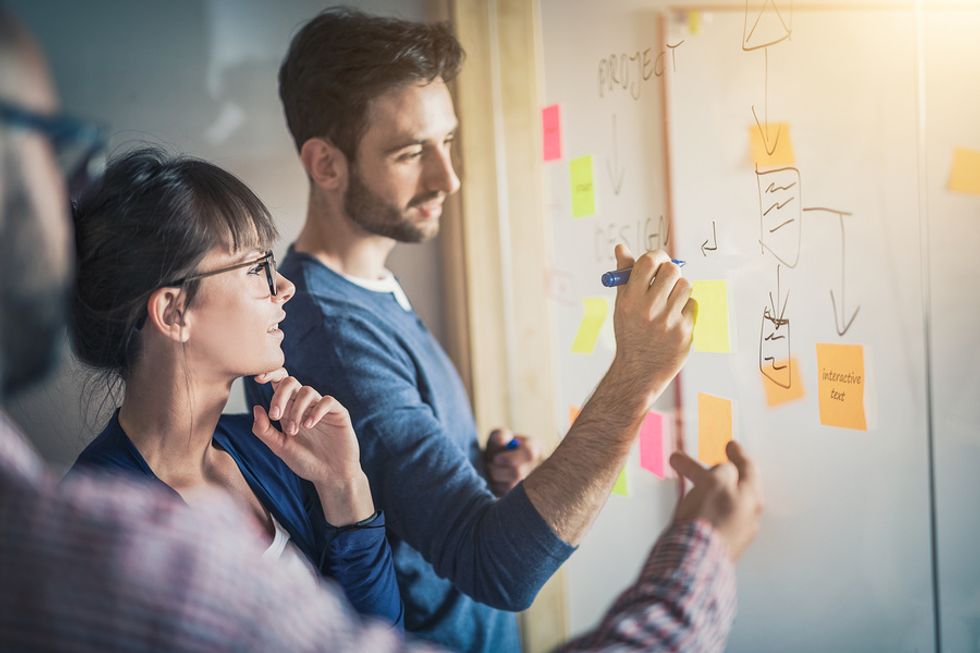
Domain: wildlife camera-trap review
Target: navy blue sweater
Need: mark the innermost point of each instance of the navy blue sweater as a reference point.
(463, 557)
(359, 560)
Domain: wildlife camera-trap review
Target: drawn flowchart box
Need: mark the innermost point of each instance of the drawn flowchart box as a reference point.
(768, 24)
(780, 216)
(775, 360)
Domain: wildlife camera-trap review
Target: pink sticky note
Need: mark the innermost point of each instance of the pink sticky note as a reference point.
(652, 443)
(551, 124)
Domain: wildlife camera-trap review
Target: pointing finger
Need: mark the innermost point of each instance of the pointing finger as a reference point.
(746, 468)
(689, 468)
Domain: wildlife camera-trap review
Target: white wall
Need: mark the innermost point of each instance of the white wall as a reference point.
(198, 76)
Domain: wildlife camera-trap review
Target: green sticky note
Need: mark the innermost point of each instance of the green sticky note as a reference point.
(711, 326)
(583, 188)
(593, 315)
(622, 486)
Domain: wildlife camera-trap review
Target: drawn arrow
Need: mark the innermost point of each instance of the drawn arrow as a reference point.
(764, 131)
(841, 322)
(616, 178)
(714, 239)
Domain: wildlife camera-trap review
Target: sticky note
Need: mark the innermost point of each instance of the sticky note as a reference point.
(964, 174)
(621, 487)
(777, 393)
(711, 326)
(777, 140)
(573, 412)
(551, 130)
(694, 23)
(652, 451)
(714, 428)
(583, 189)
(840, 371)
(593, 315)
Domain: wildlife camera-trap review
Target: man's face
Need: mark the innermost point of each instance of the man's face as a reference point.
(35, 251)
(403, 170)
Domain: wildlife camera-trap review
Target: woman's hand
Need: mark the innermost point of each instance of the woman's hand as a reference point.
(318, 443)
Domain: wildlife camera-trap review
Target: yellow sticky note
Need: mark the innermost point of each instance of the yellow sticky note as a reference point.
(711, 326)
(583, 188)
(776, 140)
(714, 428)
(694, 22)
(964, 174)
(778, 394)
(621, 487)
(841, 385)
(594, 314)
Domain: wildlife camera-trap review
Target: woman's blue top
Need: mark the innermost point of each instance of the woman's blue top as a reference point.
(357, 558)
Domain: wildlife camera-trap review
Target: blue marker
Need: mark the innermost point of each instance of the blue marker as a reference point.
(615, 278)
(513, 444)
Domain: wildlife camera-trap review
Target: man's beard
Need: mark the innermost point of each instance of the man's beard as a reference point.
(374, 215)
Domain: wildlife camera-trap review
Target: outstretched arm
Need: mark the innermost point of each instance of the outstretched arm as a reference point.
(654, 318)
(684, 599)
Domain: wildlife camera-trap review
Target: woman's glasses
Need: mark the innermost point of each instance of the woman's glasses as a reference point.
(267, 261)
(79, 146)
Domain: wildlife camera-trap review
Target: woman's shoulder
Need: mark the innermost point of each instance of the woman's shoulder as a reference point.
(111, 450)
(234, 433)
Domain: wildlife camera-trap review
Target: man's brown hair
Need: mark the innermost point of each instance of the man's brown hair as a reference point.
(343, 58)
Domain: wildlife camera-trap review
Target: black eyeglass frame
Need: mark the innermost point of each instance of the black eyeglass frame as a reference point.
(62, 130)
(267, 260)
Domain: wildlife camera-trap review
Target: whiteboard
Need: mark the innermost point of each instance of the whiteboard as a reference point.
(844, 559)
(952, 104)
(577, 39)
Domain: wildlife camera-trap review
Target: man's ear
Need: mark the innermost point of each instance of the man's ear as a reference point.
(324, 163)
(166, 313)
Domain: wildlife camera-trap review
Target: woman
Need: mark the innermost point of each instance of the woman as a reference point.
(177, 295)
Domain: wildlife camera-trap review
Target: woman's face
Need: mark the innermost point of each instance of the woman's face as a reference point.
(234, 319)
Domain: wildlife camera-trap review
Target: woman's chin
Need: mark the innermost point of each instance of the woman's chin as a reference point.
(271, 363)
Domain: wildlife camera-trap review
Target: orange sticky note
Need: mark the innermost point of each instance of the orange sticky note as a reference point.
(841, 386)
(964, 174)
(714, 428)
(774, 138)
(573, 412)
(621, 486)
(778, 394)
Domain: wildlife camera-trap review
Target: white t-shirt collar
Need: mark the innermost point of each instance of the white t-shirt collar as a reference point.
(386, 284)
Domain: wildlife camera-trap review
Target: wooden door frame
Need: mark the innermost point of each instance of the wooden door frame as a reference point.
(495, 241)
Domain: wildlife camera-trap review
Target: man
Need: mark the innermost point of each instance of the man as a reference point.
(366, 102)
(103, 564)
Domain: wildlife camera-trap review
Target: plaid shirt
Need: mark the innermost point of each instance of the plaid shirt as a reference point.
(100, 564)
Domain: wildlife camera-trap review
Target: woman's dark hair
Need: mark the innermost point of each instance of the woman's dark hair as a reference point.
(343, 58)
(151, 219)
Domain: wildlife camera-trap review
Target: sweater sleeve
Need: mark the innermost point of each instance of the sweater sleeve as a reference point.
(499, 552)
(359, 560)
